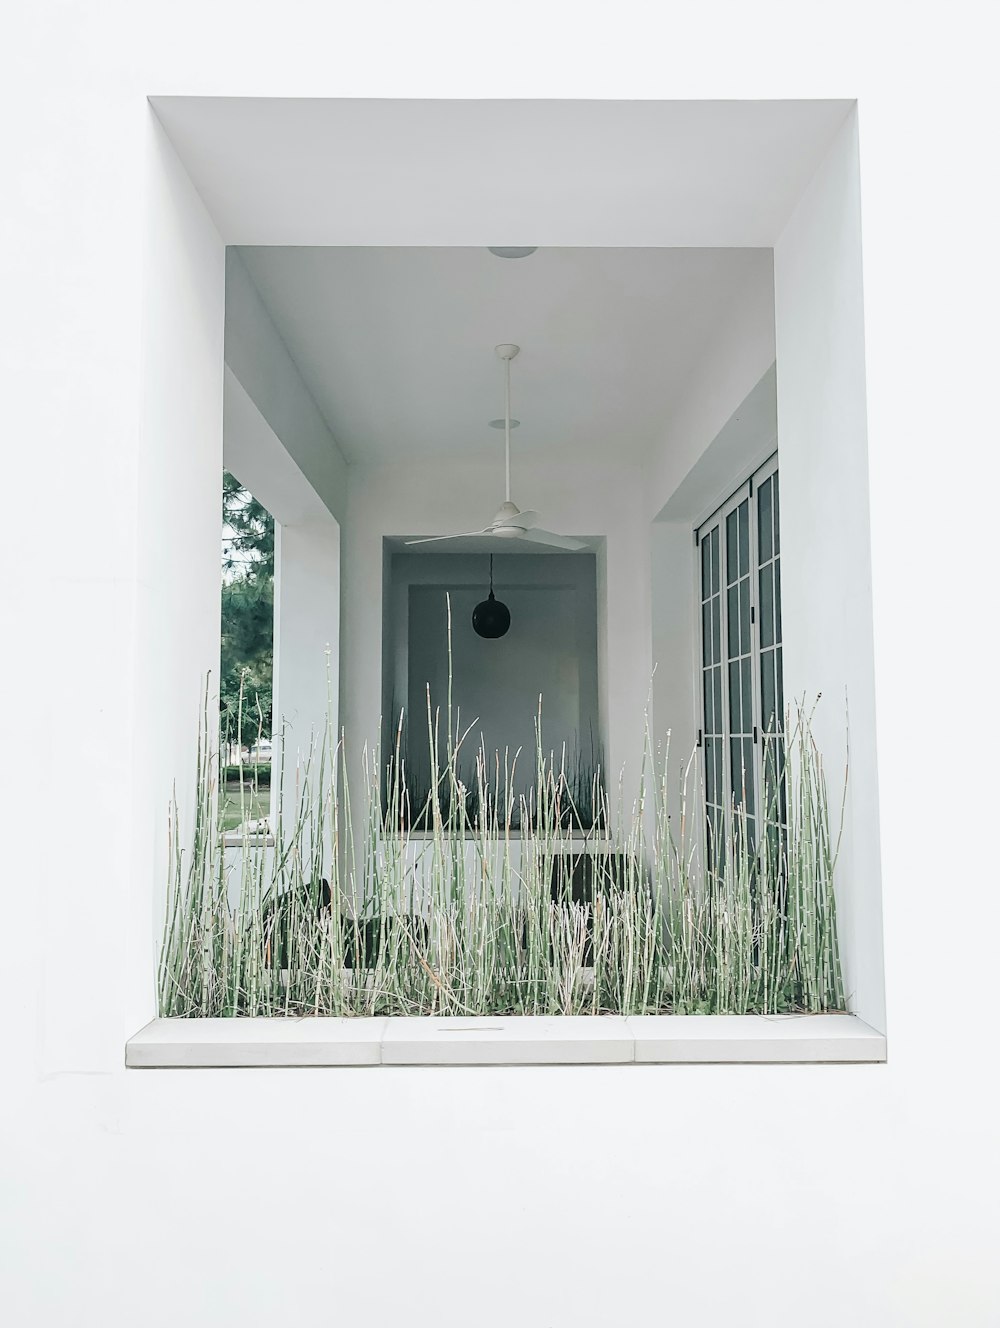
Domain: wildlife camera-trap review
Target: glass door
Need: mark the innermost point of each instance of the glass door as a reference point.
(742, 704)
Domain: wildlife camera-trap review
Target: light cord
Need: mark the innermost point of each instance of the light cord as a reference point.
(506, 424)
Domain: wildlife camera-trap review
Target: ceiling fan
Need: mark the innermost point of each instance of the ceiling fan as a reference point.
(510, 523)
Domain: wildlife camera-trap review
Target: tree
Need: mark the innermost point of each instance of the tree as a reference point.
(247, 531)
(247, 613)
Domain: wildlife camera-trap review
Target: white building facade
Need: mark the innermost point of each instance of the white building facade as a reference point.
(138, 368)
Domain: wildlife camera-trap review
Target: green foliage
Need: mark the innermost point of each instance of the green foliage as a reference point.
(258, 774)
(247, 614)
(248, 532)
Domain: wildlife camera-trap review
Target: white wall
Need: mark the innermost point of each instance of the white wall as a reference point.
(722, 428)
(306, 638)
(826, 551)
(176, 646)
(675, 644)
(147, 1197)
(257, 357)
(732, 364)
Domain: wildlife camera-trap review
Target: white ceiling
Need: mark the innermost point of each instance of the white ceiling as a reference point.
(396, 344)
(313, 171)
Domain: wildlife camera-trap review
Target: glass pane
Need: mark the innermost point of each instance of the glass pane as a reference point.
(765, 544)
(716, 629)
(745, 615)
(711, 789)
(706, 633)
(735, 699)
(744, 513)
(717, 690)
(748, 769)
(715, 559)
(732, 542)
(768, 799)
(775, 802)
(767, 605)
(777, 601)
(706, 565)
(777, 516)
(783, 785)
(779, 687)
(714, 838)
(733, 644)
(747, 695)
(709, 696)
(767, 691)
(738, 770)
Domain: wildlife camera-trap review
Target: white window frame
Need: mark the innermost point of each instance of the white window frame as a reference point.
(716, 520)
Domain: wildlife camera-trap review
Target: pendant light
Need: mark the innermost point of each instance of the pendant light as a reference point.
(490, 617)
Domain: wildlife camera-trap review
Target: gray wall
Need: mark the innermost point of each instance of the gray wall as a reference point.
(549, 651)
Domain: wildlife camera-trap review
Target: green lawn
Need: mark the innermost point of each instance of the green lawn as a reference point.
(255, 803)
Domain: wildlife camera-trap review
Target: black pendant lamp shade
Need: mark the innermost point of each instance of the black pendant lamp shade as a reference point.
(490, 617)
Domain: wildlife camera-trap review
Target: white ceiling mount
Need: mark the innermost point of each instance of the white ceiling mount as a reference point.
(502, 424)
(512, 251)
(510, 523)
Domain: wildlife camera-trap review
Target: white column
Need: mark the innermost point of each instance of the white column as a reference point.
(306, 577)
(306, 636)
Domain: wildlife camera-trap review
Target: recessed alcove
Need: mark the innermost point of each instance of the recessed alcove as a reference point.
(364, 342)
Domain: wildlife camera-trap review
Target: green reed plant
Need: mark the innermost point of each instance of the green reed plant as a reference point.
(348, 910)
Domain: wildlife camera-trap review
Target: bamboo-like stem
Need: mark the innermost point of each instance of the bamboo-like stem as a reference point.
(443, 907)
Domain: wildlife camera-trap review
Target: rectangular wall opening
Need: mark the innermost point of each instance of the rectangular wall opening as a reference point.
(531, 690)
(365, 379)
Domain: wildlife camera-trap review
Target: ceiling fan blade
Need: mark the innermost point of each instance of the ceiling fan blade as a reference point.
(525, 519)
(436, 539)
(553, 540)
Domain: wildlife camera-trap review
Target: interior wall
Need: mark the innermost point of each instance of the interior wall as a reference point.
(825, 525)
(306, 640)
(675, 651)
(731, 365)
(424, 499)
(721, 429)
(258, 359)
(549, 654)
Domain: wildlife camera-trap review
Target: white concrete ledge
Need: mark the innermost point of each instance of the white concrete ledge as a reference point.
(203, 1043)
(728, 1038)
(523, 1040)
(506, 1040)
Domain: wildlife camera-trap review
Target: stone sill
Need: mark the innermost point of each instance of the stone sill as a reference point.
(506, 1040)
